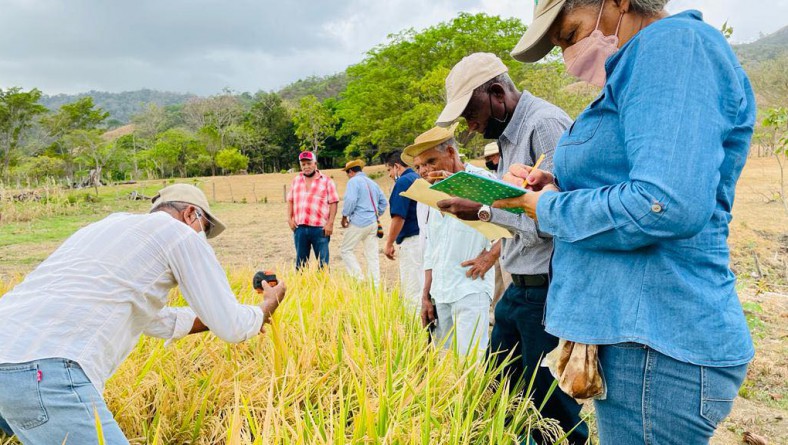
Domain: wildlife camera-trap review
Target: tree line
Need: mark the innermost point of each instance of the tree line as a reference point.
(374, 107)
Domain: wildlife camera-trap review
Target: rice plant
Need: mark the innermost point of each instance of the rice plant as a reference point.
(341, 363)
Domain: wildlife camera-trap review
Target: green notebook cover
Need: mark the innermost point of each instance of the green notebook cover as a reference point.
(478, 189)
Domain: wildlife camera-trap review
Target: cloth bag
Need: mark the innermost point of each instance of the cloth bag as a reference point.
(576, 367)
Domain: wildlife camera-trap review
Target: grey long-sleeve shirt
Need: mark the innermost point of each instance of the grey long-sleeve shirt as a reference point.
(535, 128)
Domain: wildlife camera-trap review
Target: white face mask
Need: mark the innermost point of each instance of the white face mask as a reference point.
(202, 233)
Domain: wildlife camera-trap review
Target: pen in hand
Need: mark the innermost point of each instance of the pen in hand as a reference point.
(536, 165)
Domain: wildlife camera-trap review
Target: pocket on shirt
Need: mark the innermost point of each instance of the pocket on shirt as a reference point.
(20, 393)
(719, 388)
(585, 126)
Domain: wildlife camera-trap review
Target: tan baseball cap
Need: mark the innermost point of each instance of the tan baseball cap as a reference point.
(491, 149)
(535, 43)
(468, 74)
(192, 195)
(429, 139)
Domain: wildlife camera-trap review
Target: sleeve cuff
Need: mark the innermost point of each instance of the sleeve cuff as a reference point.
(184, 321)
(258, 321)
(544, 223)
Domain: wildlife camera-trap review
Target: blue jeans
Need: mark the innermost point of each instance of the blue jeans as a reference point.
(51, 400)
(311, 238)
(655, 399)
(519, 329)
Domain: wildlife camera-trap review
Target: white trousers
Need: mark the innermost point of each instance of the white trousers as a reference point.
(411, 272)
(470, 319)
(365, 236)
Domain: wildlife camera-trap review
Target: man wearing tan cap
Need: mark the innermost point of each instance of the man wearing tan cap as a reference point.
(462, 302)
(364, 202)
(479, 89)
(73, 320)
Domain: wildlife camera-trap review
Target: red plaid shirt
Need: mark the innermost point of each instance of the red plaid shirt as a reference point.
(310, 205)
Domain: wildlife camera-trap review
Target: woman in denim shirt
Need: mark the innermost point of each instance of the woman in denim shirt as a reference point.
(647, 175)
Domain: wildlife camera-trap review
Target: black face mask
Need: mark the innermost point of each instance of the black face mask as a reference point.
(311, 174)
(492, 166)
(495, 127)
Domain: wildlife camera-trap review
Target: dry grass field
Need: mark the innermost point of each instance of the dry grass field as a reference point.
(253, 208)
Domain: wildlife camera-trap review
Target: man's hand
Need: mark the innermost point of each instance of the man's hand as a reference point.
(427, 311)
(461, 208)
(437, 175)
(292, 223)
(525, 176)
(389, 251)
(328, 230)
(345, 222)
(272, 296)
(480, 265)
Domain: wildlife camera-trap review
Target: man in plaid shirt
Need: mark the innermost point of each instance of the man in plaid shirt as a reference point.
(312, 208)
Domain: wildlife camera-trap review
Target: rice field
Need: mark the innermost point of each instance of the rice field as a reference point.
(339, 364)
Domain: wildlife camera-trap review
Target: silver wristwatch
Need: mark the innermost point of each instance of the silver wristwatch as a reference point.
(484, 213)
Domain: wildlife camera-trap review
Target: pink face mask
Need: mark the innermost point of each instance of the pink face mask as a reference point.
(586, 58)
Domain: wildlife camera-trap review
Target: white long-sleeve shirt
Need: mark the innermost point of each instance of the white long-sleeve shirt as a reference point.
(108, 283)
(449, 243)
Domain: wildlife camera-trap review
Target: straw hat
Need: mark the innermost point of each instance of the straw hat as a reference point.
(535, 43)
(468, 74)
(427, 140)
(354, 163)
(192, 195)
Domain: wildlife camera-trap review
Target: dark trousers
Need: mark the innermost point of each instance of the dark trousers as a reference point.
(519, 329)
(311, 238)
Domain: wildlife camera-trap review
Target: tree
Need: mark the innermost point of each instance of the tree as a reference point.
(214, 117)
(314, 122)
(232, 160)
(273, 142)
(89, 146)
(398, 90)
(173, 150)
(79, 115)
(18, 110)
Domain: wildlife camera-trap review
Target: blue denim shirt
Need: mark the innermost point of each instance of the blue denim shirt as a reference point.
(362, 198)
(648, 173)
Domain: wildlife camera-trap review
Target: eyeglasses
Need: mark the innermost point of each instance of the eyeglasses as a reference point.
(208, 223)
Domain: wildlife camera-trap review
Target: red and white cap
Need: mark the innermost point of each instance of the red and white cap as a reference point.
(308, 156)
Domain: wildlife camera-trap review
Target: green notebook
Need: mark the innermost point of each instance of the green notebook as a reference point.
(478, 189)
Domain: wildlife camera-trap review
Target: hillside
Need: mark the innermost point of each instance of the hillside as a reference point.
(121, 106)
(322, 87)
(766, 48)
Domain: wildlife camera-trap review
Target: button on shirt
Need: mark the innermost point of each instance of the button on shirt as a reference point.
(449, 243)
(404, 207)
(362, 197)
(535, 129)
(649, 171)
(108, 283)
(311, 203)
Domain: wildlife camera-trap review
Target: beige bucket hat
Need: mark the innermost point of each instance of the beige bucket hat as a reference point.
(468, 74)
(192, 195)
(429, 139)
(535, 43)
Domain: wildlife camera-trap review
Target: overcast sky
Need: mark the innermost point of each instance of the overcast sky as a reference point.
(202, 46)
